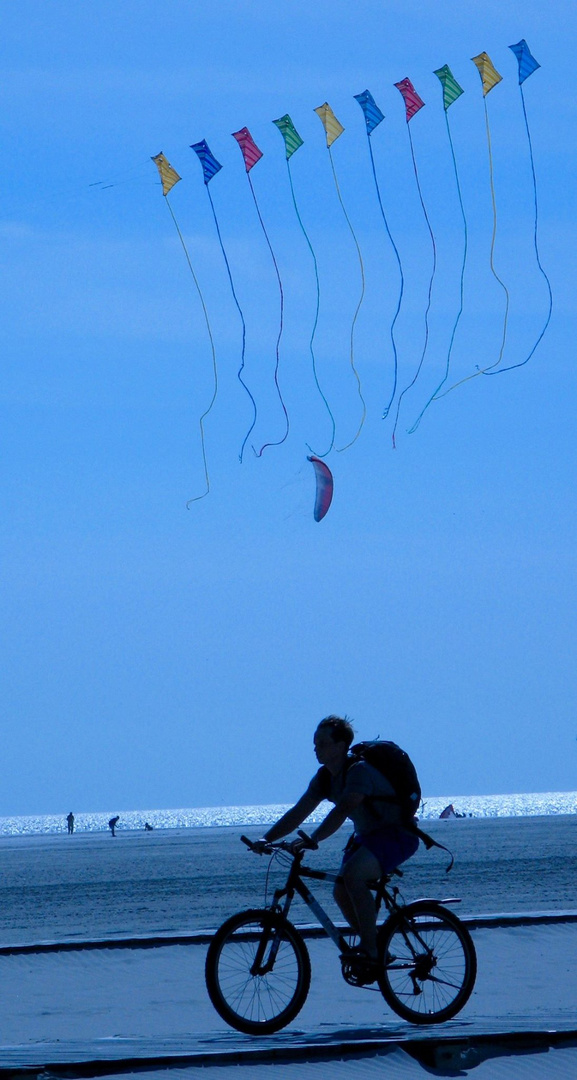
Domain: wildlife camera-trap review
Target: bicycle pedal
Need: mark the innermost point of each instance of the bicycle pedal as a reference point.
(359, 970)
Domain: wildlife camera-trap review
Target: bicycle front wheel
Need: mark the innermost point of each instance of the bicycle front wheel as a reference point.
(429, 963)
(258, 972)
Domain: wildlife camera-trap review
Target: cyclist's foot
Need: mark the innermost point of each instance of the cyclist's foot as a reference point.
(359, 968)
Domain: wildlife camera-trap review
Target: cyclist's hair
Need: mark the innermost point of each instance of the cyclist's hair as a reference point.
(340, 728)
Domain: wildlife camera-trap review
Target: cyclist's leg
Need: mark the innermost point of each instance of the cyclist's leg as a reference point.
(346, 906)
(355, 898)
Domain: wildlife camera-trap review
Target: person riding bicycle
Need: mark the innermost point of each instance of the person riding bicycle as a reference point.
(379, 844)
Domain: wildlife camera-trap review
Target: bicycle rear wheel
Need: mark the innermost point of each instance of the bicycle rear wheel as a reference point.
(429, 963)
(258, 972)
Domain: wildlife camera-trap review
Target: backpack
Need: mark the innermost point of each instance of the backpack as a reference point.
(399, 770)
(397, 767)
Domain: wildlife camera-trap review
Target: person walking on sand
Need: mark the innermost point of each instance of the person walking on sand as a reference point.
(380, 842)
(70, 822)
(113, 823)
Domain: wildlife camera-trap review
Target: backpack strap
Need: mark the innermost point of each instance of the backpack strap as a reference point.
(429, 843)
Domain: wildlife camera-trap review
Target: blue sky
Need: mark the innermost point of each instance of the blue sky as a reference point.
(159, 656)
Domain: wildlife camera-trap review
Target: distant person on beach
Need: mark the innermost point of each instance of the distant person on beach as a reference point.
(147, 827)
(113, 823)
(380, 842)
(70, 822)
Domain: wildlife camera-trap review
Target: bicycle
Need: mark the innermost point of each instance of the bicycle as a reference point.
(258, 969)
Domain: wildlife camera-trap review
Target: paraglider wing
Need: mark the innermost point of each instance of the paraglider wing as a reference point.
(324, 495)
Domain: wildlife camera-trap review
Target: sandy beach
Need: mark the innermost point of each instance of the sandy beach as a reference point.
(89, 885)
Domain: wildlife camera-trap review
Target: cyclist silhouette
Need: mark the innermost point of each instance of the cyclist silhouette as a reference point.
(379, 844)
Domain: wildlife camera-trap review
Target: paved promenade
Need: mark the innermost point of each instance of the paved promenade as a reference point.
(139, 1004)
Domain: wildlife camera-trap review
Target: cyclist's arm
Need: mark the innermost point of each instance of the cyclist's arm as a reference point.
(337, 816)
(293, 817)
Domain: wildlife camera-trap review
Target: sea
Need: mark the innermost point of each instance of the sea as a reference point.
(512, 854)
(478, 806)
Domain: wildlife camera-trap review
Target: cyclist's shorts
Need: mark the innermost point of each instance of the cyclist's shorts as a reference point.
(390, 844)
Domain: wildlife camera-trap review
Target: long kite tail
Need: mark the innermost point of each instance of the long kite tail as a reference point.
(536, 244)
(316, 319)
(235, 297)
(214, 368)
(358, 308)
(490, 368)
(278, 340)
(430, 290)
(401, 285)
(462, 285)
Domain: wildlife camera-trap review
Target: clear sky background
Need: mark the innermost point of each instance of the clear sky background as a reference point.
(158, 656)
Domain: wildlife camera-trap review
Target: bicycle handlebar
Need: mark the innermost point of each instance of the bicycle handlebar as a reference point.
(279, 845)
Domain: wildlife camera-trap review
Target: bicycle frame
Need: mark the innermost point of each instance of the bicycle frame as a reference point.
(295, 884)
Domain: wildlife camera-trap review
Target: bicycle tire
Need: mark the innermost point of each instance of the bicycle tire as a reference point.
(429, 963)
(257, 1004)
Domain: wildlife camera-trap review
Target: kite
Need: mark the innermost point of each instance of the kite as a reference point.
(324, 489)
(490, 78)
(292, 142)
(210, 167)
(251, 154)
(451, 92)
(373, 117)
(333, 128)
(527, 65)
(412, 105)
(169, 177)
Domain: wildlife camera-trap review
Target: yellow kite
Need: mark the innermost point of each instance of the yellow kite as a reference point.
(489, 75)
(168, 175)
(330, 123)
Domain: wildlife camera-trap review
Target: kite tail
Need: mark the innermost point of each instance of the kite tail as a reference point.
(430, 291)
(241, 368)
(358, 308)
(314, 329)
(278, 443)
(402, 283)
(215, 372)
(489, 368)
(462, 286)
(495, 274)
(535, 238)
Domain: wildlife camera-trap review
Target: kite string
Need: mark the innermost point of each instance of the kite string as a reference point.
(213, 399)
(461, 287)
(494, 204)
(430, 290)
(489, 368)
(402, 282)
(278, 340)
(316, 319)
(535, 240)
(358, 308)
(240, 370)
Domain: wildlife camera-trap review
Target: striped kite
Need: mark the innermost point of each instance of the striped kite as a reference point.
(251, 154)
(333, 129)
(169, 177)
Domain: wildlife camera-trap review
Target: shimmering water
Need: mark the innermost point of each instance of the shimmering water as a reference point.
(478, 806)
